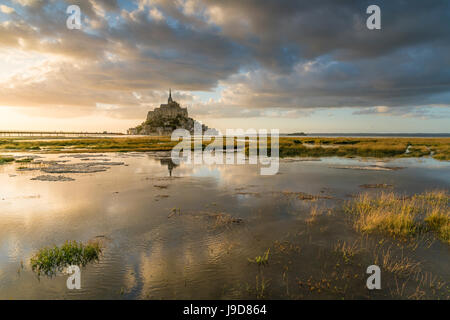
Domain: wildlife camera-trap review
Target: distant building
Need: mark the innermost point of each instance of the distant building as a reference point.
(165, 119)
(172, 109)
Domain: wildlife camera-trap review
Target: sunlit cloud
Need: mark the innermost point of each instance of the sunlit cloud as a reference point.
(279, 59)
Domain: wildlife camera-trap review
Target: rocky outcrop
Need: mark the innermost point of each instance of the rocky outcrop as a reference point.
(165, 119)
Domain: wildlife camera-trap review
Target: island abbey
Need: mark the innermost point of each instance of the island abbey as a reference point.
(164, 120)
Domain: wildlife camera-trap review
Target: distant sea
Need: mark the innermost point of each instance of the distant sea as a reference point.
(369, 135)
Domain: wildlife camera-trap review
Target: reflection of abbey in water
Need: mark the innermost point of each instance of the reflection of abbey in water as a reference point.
(169, 163)
(163, 120)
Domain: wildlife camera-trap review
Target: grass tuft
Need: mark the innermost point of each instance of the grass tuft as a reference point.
(346, 250)
(261, 260)
(24, 160)
(400, 265)
(4, 160)
(439, 223)
(402, 216)
(49, 260)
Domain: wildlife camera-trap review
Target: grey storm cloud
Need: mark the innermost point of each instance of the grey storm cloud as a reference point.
(266, 53)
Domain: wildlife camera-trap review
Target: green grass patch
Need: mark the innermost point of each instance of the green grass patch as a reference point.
(438, 148)
(261, 260)
(24, 160)
(50, 260)
(4, 160)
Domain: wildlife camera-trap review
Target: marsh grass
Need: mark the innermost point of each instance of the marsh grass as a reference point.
(92, 144)
(4, 159)
(261, 284)
(304, 196)
(174, 212)
(24, 160)
(439, 223)
(315, 212)
(261, 260)
(216, 220)
(428, 280)
(438, 148)
(225, 220)
(402, 217)
(261, 287)
(346, 250)
(48, 261)
(402, 266)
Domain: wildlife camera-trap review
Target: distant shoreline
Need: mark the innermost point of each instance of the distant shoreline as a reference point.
(371, 135)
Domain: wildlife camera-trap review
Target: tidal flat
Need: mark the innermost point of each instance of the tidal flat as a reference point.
(437, 148)
(225, 231)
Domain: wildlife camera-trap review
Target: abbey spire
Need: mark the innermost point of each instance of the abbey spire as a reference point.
(164, 120)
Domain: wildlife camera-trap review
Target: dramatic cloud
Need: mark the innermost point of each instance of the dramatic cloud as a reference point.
(277, 57)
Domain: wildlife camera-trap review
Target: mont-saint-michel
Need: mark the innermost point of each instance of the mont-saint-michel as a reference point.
(164, 120)
(329, 178)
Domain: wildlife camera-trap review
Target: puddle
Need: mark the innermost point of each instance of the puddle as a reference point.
(229, 214)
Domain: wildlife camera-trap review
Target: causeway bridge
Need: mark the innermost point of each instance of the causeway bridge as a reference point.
(12, 133)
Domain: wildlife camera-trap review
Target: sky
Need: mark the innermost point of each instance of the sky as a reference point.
(296, 66)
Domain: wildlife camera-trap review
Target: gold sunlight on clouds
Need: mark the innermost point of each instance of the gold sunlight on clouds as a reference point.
(6, 9)
(128, 56)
